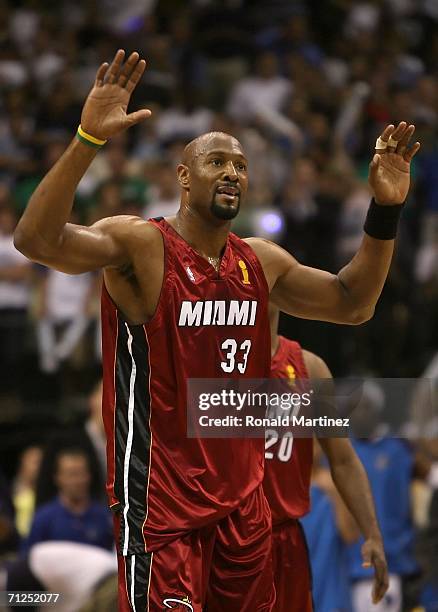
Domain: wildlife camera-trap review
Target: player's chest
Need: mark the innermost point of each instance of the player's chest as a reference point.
(223, 295)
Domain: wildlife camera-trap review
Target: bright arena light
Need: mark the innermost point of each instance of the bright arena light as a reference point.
(272, 222)
(268, 223)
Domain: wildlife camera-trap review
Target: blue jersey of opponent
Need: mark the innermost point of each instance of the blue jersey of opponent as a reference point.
(389, 464)
(327, 551)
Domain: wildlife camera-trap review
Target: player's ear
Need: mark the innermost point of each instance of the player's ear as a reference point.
(183, 175)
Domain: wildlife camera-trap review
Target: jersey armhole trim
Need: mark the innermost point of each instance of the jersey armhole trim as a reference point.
(155, 320)
(167, 272)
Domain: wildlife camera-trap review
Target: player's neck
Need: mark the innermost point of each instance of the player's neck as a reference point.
(207, 239)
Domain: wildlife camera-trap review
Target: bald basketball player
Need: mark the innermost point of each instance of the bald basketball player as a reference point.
(185, 298)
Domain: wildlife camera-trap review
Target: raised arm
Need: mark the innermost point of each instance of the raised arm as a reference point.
(352, 484)
(351, 295)
(43, 233)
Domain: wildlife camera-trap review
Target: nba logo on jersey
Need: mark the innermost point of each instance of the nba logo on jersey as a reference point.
(190, 274)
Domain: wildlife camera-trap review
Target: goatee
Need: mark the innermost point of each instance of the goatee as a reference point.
(224, 212)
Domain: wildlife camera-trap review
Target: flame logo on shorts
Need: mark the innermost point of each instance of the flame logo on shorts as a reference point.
(174, 602)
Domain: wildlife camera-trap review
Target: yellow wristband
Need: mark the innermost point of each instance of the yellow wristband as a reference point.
(89, 139)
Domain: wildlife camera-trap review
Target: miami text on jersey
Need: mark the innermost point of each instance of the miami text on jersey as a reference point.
(217, 312)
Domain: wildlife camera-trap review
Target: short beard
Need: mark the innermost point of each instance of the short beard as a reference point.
(225, 213)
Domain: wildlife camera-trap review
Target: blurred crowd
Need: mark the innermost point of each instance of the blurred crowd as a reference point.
(306, 86)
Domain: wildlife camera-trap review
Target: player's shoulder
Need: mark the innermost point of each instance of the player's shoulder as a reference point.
(129, 227)
(260, 244)
(315, 365)
(268, 251)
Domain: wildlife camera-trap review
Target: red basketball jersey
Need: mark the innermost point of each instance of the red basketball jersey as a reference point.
(288, 461)
(207, 324)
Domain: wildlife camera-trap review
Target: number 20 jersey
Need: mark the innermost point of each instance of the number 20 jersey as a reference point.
(207, 324)
(288, 463)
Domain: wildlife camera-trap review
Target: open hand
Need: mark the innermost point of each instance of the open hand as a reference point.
(389, 173)
(373, 555)
(104, 113)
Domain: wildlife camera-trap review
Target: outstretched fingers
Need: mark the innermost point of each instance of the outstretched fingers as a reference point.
(409, 154)
(136, 75)
(125, 75)
(396, 140)
(382, 141)
(395, 136)
(100, 76)
(402, 143)
(404, 140)
(114, 69)
(127, 69)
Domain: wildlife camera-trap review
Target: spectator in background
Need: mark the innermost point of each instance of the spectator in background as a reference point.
(23, 189)
(429, 595)
(13, 72)
(164, 192)
(221, 31)
(47, 488)
(123, 17)
(108, 201)
(423, 427)
(79, 572)
(24, 488)
(69, 550)
(64, 314)
(58, 112)
(265, 88)
(16, 135)
(15, 271)
(329, 527)
(114, 183)
(426, 275)
(351, 219)
(94, 427)
(47, 61)
(147, 147)
(8, 533)
(186, 118)
(389, 463)
(73, 515)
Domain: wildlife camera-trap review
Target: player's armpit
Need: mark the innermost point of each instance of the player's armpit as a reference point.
(107, 243)
(306, 292)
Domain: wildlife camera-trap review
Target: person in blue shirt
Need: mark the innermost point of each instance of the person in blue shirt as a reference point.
(73, 515)
(389, 463)
(329, 527)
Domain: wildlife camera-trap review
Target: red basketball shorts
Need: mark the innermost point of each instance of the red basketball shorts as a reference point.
(291, 564)
(223, 567)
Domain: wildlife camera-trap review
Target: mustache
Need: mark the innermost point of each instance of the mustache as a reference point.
(229, 188)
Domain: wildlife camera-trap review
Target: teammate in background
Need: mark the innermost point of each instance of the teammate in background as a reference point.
(286, 484)
(184, 298)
